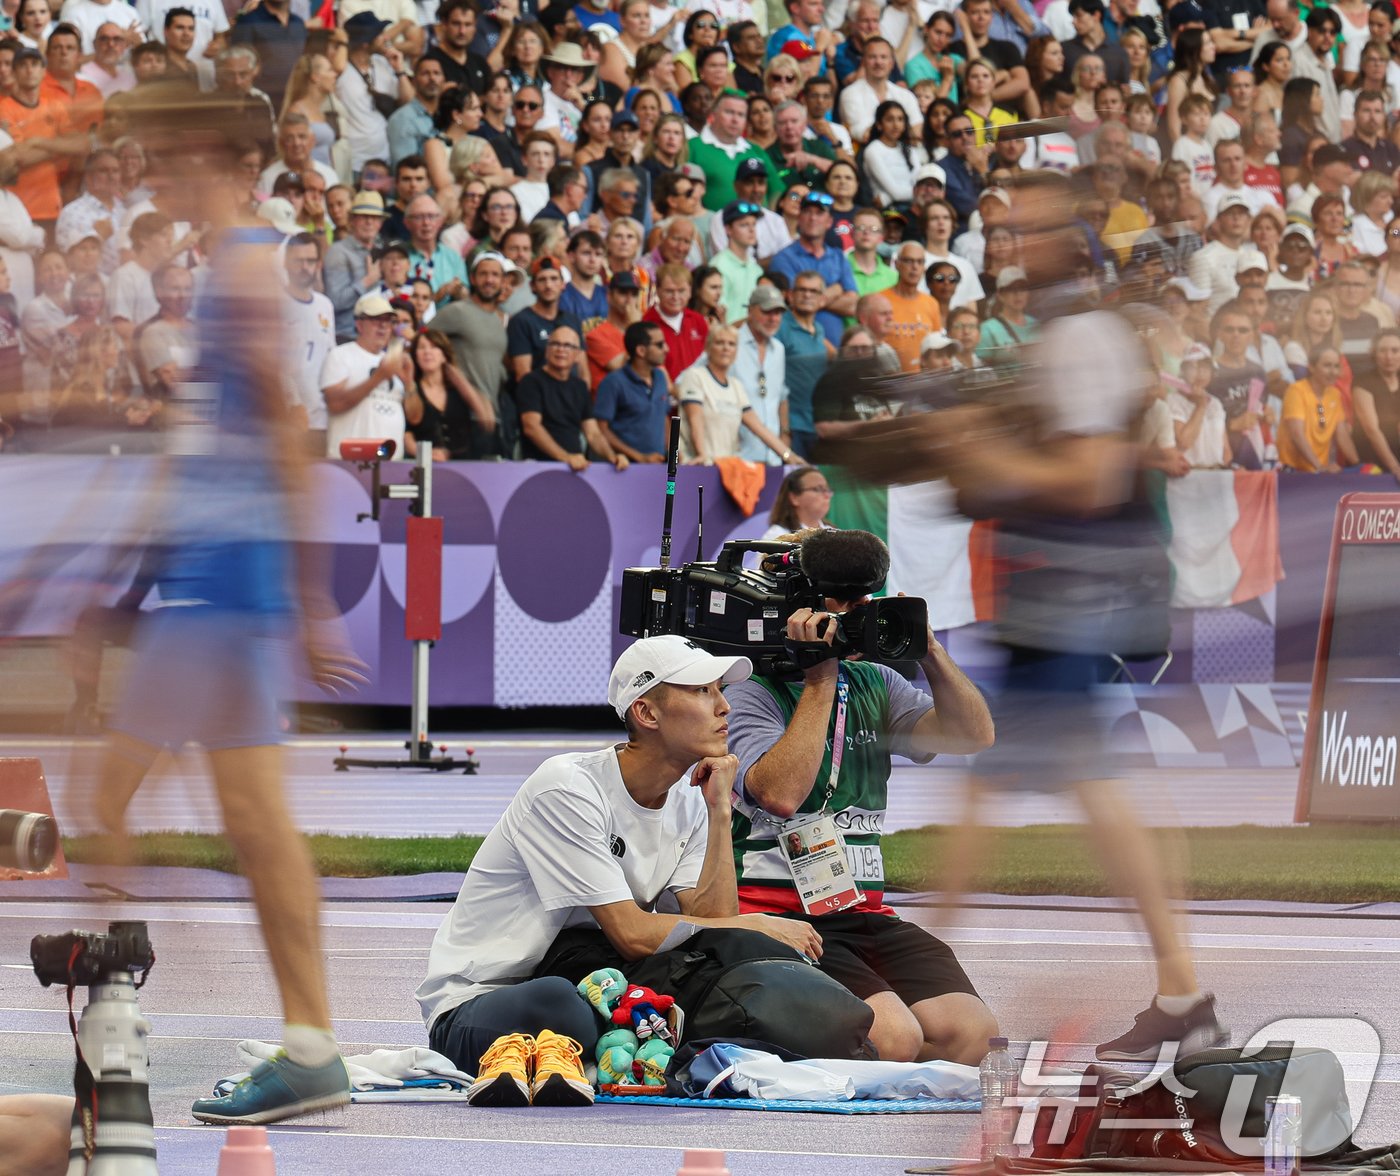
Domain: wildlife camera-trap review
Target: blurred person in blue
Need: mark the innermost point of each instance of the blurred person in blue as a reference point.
(239, 600)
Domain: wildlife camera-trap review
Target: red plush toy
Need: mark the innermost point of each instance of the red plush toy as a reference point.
(640, 1010)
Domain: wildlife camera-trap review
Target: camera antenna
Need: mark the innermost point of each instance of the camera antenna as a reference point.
(699, 523)
(672, 459)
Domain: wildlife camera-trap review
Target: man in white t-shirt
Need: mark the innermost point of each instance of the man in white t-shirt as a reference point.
(862, 98)
(1212, 267)
(310, 322)
(594, 839)
(87, 16)
(362, 385)
(210, 23)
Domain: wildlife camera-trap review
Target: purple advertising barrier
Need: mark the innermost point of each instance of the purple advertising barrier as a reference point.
(1307, 504)
(532, 571)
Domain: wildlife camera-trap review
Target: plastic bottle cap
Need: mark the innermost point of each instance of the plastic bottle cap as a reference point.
(998, 1042)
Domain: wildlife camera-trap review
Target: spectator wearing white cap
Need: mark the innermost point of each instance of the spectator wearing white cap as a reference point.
(751, 187)
(937, 351)
(1198, 418)
(363, 384)
(350, 269)
(1212, 267)
(761, 366)
(596, 839)
(993, 208)
(1008, 328)
(1185, 304)
(930, 184)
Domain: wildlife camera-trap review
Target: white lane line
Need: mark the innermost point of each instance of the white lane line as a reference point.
(333, 1133)
(1014, 936)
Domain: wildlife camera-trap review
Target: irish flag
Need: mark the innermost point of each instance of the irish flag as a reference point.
(1224, 541)
(1224, 546)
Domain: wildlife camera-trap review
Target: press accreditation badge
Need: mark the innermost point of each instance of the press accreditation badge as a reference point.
(815, 853)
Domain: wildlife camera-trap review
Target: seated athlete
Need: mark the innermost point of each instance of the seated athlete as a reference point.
(783, 732)
(593, 839)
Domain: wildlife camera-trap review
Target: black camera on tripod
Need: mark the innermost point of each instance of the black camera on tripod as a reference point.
(90, 957)
(729, 609)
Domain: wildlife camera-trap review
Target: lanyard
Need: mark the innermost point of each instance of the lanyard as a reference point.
(838, 738)
(838, 748)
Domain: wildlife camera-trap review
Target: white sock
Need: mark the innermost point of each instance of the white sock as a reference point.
(1178, 1006)
(308, 1046)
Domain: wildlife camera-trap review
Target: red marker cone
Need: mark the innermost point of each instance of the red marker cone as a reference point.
(698, 1161)
(246, 1152)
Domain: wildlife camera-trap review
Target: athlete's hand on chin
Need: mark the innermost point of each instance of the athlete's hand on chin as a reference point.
(714, 776)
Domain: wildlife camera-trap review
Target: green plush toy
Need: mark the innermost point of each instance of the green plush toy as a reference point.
(622, 1058)
(603, 989)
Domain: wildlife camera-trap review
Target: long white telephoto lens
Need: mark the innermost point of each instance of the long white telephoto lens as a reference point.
(28, 841)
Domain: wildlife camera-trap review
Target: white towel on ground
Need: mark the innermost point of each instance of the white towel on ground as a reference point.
(411, 1075)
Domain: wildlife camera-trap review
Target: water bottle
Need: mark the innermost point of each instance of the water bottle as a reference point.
(1000, 1081)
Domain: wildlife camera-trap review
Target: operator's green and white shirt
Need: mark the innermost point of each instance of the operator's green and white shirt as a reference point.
(881, 713)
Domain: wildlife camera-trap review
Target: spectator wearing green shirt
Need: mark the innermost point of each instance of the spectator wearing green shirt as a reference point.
(935, 63)
(735, 261)
(871, 271)
(1008, 328)
(808, 353)
(721, 147)
(799, 160)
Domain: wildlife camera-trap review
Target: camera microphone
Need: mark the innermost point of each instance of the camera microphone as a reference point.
(28, 841)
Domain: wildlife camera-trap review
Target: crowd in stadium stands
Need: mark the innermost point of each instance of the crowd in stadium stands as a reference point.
(573, 218)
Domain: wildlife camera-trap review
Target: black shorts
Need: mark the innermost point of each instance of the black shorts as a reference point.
(870, 953)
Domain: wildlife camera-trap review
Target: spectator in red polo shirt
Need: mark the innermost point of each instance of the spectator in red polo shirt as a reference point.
(684, 329)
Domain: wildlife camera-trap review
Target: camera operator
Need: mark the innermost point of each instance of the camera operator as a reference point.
(595, 839)
(782, 732)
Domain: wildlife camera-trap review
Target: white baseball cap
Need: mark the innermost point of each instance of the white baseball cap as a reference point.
(669, 658)
(1251, 259)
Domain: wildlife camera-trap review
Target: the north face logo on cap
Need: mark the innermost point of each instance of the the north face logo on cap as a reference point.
(643, 678)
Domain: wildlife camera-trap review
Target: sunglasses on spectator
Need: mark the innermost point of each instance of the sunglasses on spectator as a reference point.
(529, 105)
(951, 279)
(786, 79)
(743, 208)
(500, 208)
(683, 193)
(820, 198)
(706, 24)
(625, 194)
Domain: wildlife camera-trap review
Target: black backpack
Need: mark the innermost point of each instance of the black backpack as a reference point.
(734, 983)
(1212, 1112)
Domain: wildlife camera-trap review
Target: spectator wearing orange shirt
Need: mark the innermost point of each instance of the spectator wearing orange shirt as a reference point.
(915, 313)
(62, 84)
(1315, 437)
(43, 134)
(605, 346)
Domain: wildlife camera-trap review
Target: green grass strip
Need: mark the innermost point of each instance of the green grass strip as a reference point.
(1326, 863)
